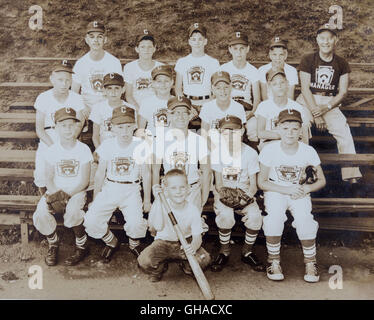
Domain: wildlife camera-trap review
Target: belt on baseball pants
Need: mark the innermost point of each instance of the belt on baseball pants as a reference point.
(326, 94)
(197, 97)
(46, 128)
(238, 98)
(123, 182)
(193, 183)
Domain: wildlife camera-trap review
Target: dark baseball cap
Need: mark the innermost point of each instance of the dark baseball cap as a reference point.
(63, 66)
(95, 26)
(165, 70)
(179, 101)
(113, 79)
(145, 34)
(197, 27)
(230, 122)
(123, 115)
(289, 115)
(272, 73)
(238, 37)
(220, 76)
(64, 114)
(277, 42)
(327, 27)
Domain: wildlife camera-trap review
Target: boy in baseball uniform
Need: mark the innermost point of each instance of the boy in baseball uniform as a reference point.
(137, 73)
(166, 246)
(278, 55)
(244, 80)
(268, 110)
(181, 148)
(279, 178)
(90, 69)
(324, 78)
(122, 166)
(46, 104)
(67, 168)
(235, 165)
(113, 88)
(194, 71)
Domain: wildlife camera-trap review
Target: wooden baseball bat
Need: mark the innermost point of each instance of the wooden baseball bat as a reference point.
(196, 269)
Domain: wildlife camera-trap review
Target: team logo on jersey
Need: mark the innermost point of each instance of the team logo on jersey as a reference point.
(160, 118)
(196, 75)
(107, 125)
(143, 83)
(122, 166)
(288, 174)
(96, 81)
(231, 174)
(179, 160)
(239, 82)
(324, 76)
(68, 168)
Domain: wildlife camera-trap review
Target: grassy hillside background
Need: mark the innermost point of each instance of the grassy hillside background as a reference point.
(64, 26)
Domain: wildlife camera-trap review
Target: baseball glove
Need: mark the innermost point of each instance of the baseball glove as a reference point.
(57, 201)
(234, 198)
(309, 176)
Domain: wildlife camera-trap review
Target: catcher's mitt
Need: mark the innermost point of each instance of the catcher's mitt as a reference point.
(234, 198)
(57, 201)
(309, 176)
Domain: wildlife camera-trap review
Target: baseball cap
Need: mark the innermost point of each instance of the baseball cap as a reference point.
(122, 115)
(64, 114)
(145, 34)
(327, 27)
(165, 70)
(95, 26)
(272, 73)
(64, 65)
(179, 101)
(277, 42)
(230, 122)
(113, 79)
(289, 115)
(238, 37)
(220, 76)
(197, 27)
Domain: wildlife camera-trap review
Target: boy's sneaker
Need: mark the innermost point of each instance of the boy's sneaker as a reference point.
(274, 271)
(311, 272)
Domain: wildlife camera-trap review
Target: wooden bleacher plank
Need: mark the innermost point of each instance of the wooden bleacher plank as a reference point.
(9, 219)
(361, 159)
(346, 223)
(17, 156)
(330, 139)
(26, 135)
(26, 85)
(12, 117)
(21, 203)
(358, 105)
(16, 174)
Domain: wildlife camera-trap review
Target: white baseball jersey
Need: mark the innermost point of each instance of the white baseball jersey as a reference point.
(139, 79)
(270, 111)
(290, 71)
(154, 110)
(242, 80)
(237, 168)
(90, 73)
(285, 169)
(101, 114)
(48, 104)
(123, 164)
(211, 113)
(188, 218)
(181, 152)
(68, 164)
(196, 73)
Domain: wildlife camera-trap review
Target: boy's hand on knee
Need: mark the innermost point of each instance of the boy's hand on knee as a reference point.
(296, 192)
(189, 250)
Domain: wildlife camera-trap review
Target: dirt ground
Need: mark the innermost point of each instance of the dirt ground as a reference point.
(122, 279)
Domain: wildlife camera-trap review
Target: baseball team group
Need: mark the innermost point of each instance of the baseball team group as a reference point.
(253, 138)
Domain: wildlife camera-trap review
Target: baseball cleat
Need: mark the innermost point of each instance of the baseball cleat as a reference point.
(78, 256)
(136, 251)
(157, 277)
(108, 252)
(185, 268)
(51, 258)
(219, 263)
(252, 260)
(274, 271)
(311, 272)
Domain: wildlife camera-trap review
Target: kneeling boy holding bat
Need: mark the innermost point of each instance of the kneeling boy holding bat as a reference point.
(154, 259)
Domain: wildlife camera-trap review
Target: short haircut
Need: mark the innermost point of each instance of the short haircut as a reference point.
(175, 173)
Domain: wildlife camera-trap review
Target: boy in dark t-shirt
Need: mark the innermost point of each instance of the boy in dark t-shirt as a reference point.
(324, 78)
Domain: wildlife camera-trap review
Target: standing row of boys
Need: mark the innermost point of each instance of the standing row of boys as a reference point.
(227, 99)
